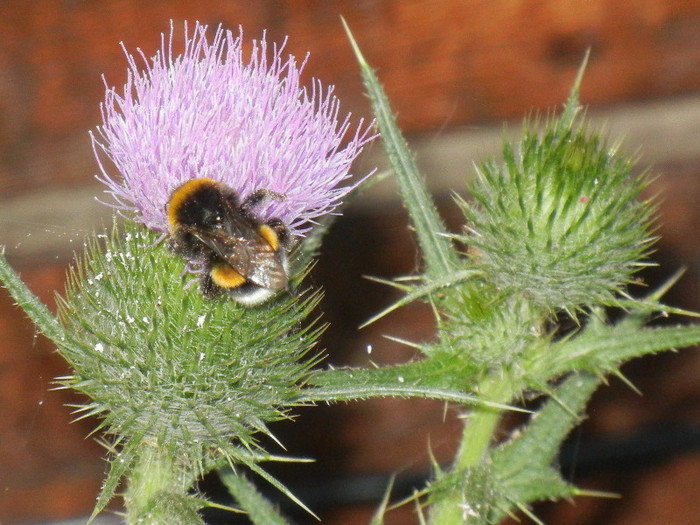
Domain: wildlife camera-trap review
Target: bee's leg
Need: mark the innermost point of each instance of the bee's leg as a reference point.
(260, 196)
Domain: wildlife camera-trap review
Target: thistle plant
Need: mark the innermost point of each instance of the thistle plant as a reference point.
(182, 384)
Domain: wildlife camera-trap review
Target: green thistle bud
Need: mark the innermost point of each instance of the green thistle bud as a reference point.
(167, 368)
(559, 221)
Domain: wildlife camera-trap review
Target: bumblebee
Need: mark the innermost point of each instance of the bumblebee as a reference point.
(242, 255)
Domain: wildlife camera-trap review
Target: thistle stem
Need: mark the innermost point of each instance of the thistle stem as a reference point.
(477, 436)
(481, 424)
(153, 476)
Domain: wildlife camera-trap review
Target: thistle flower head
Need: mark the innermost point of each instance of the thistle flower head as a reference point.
(210, 112)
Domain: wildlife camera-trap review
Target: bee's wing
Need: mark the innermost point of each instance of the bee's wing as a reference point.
(269, 269)
(218, 243)
(250, 255)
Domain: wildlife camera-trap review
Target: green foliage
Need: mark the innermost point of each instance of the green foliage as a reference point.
(437, 250)
(27, 301)
(434, 379)
(259, 510)
(524, 463)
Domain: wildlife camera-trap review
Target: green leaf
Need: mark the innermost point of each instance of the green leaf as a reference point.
(30, 303)
(420, 379)
(523, 466)
(278, 485)
(260, 511)
(438, 252)
(607, 347)
(120, 464)
(538, 443)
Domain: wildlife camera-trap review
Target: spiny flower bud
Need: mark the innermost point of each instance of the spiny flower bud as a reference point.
(165, 365)
(559, 221)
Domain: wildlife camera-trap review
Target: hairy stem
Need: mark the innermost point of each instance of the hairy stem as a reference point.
(153, 476)
(477, 436)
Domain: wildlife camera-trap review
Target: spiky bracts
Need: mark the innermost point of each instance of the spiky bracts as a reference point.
(559, 222)
(167, 369)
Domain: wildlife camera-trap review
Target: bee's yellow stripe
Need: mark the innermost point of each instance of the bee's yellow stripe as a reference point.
(181, 194)
(224, 276)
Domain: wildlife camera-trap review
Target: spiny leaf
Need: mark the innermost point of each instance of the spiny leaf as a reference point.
(279, 486)
(523, 464)
(608, 348)
(118, 467)
(259, 510)
(539, 441)
(412, 380)
(439, 254)
(450, 279)
(30, 303)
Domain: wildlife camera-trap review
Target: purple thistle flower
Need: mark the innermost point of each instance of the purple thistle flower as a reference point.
(207, 113)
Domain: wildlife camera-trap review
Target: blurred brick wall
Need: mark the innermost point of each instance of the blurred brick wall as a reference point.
(444, 64)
